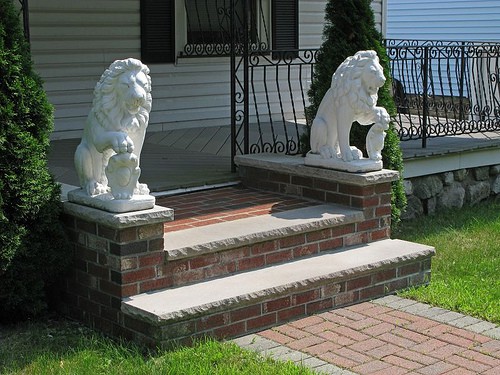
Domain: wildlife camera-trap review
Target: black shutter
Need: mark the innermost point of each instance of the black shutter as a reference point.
(158, 31)
(285, 25)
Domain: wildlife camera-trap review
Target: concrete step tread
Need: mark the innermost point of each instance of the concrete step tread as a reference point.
(222, 236)
(251, 287)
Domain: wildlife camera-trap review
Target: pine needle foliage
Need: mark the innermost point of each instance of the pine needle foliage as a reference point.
(32, 241)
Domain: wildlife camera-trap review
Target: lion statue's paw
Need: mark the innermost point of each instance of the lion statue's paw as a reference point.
(122, 195)
(122, 143)
(142, 189)
(382, 117)
(356, 153)
(95, 188)
(327, 152)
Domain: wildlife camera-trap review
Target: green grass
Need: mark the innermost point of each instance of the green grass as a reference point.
(466, 268)
(64, 347)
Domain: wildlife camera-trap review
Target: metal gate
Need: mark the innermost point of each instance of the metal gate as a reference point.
(268, 87)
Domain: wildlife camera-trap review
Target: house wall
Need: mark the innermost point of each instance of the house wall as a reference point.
(469, 20)
(73, 42)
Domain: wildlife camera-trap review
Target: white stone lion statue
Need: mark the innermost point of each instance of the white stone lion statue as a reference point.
(115, 125)
(352, 97)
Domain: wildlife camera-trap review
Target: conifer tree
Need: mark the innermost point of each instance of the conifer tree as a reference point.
(33, 249)
(349, 28)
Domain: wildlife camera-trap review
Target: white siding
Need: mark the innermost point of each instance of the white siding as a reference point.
(311, 20)
(378, 10)
(74, 41)
(312, 16)
(472, 20)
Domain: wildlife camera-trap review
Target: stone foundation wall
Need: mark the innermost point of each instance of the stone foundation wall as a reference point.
(454, 189)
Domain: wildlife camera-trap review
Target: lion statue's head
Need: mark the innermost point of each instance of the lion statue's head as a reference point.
(122, 97)
(359, 77)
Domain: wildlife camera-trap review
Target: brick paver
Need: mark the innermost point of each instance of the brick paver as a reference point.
(226, 204)
(362, 339)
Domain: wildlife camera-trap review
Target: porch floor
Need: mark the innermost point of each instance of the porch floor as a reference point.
(187, 158)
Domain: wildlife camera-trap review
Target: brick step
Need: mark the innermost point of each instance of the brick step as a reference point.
(254, 300)
(206, 252)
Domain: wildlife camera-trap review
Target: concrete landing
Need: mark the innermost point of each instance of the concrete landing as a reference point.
(222, 236)
(277, 281)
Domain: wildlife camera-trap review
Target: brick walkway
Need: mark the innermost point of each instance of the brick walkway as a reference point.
(225, 204)
(386, 336)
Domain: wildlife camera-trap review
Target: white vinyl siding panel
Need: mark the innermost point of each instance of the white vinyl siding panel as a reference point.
(471, 20)
(312, 17)
(73, 42)
(311, 20)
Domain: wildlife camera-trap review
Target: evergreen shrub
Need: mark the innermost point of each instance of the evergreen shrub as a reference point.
(33, 247)
(349, 28)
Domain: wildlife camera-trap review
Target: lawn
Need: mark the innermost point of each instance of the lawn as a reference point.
(466, 268)
(65, 347)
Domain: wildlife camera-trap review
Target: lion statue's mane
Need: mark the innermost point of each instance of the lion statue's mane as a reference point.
(352, 96)
(105, 105)
(116, 122)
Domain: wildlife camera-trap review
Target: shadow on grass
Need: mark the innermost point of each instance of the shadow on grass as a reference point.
(59, 346)
(50, 339)
(453, 219)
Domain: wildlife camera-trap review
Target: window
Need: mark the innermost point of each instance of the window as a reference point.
(208, 22)
(208, 25)
(171, 28)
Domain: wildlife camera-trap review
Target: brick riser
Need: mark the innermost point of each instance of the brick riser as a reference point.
(141, 265)
(255, 256)
(114, 263)
(279, 309)
(145, 272)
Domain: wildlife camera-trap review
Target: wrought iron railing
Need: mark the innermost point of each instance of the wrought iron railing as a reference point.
(445, 88)
(440, 89)
(279, 82)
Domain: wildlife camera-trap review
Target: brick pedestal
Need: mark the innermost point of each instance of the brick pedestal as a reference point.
(116, 255)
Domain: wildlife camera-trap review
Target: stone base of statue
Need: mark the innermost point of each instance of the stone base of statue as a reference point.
(354, 166)
(107, 202)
